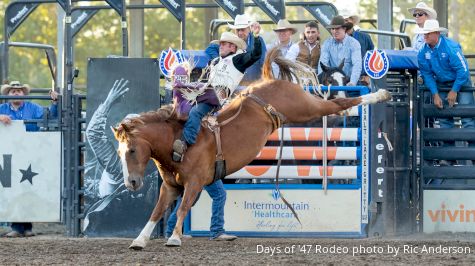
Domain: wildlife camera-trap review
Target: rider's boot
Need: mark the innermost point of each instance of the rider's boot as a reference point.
(179, 149)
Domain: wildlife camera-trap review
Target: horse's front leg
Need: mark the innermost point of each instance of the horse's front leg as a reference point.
(189, 197)
(167, 195)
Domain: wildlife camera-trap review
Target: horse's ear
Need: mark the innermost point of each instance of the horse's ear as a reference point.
(340, 67)
(324, 67)
(114, 130)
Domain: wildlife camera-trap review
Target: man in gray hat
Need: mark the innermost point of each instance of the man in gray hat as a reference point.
(284, 32)
(19, 109)
(342, 48)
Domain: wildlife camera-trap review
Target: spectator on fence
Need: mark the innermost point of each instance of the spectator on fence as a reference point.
(342, 49)
(307, 50)
(363, 38)
(19, 109)
(243, 28)
(284, 31)
(443, 65)
(421, 13)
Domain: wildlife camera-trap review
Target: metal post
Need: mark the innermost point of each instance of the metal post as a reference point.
(125, 34)
(183, 26)
(385, 22)
(136, 38)
(68, 125)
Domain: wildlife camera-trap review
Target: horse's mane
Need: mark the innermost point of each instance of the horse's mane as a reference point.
(128, 126)
(291, 71)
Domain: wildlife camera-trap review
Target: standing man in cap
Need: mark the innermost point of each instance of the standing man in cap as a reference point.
(342, 49)
(244, 28)
(284, 32)
(307, 50)
(225, 74)
(421, 13)
(442, 64)
(19, 109)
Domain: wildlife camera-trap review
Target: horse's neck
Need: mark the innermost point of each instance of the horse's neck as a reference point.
(161, 136)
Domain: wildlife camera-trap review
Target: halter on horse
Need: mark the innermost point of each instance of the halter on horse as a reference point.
(259, 107)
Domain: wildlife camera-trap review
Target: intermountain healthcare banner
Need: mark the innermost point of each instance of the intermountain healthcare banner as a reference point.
(30, 174)
(112, 210)
(261, 211)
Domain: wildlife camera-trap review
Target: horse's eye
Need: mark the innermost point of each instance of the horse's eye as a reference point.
(132, 151)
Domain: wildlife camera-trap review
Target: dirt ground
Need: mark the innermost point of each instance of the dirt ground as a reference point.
(51, 247)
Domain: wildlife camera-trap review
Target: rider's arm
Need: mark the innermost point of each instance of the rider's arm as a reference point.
(245, 60)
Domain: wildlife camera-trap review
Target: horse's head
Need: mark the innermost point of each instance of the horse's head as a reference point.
(134, 152)
(333, 75)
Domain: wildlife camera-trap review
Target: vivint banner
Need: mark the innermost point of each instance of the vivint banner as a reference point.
(30, 175)
(254, 212)
(449, 211)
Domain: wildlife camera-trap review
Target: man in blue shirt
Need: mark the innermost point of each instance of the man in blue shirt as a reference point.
(243, 28)
(18, 109)
(442, 64)
(342, 48)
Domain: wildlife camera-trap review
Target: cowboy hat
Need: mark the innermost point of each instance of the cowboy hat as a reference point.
(232, 38)
(240, 22)
(431, 25)
(421, 6)
(15, 85)
(284, 24)
(339, 21)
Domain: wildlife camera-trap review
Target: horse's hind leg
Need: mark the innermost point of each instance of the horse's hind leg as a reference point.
(189, 197)
(346, 103)
(167, 195)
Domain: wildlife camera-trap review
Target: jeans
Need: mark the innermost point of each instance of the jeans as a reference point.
(21, 227)
(218, 194)
(193, 124)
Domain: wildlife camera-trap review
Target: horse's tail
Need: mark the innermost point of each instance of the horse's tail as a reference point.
(267, 67)
(288, 70)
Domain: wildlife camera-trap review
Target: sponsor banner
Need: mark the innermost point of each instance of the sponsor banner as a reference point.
(232, 7)
(80, 18)
(323, 12)
(117, 5)
(297, 171)
(376, 64)
(449, 211)
(308, 153)
(263, 210)
(16, 14)
(30, 175)
(175, 7)
(316, 134)
(62, 3)
(275, 9)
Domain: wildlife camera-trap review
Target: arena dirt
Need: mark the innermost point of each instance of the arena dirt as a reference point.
(52, 248)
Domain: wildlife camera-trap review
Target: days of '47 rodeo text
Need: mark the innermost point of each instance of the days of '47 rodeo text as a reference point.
(360, 249)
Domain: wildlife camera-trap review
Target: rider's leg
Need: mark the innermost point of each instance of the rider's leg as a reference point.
(191, 129)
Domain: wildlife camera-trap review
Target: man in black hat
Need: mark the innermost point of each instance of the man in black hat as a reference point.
(342, 48)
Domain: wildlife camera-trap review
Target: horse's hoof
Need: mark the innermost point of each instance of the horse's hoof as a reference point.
(173, 242)
(135, 247)
(384, 95)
